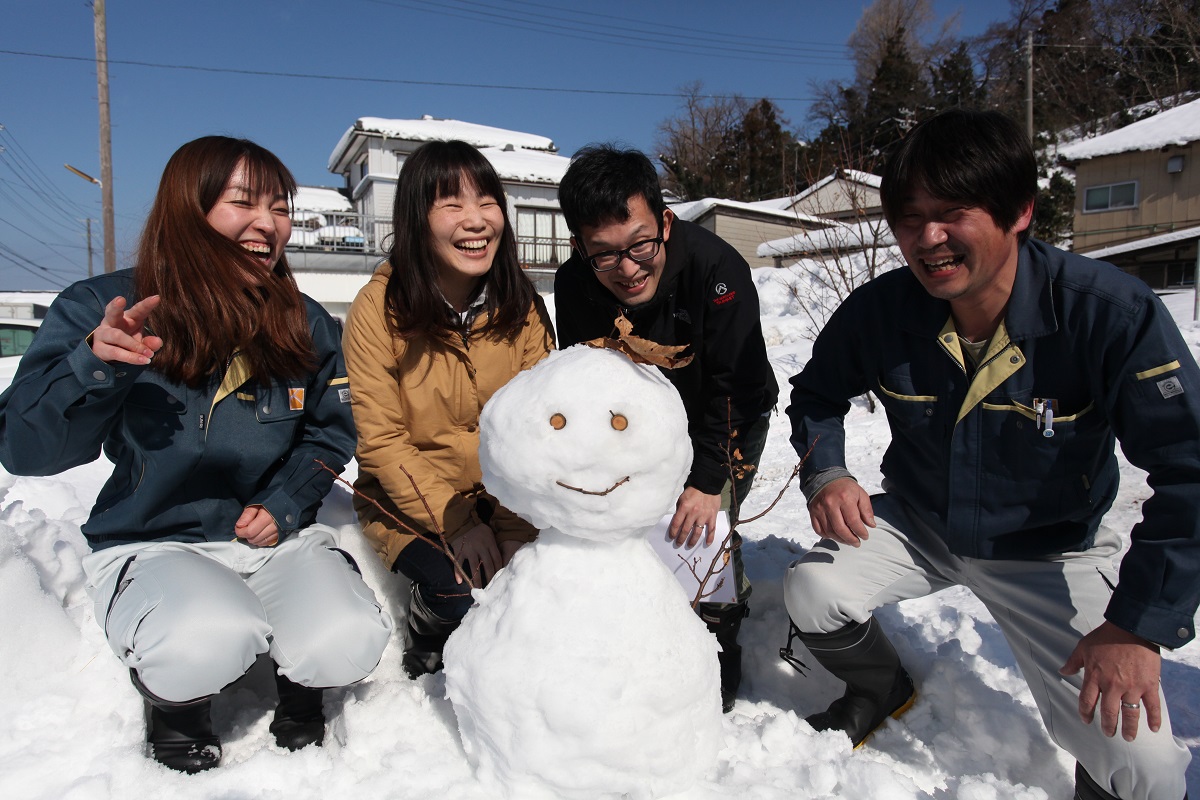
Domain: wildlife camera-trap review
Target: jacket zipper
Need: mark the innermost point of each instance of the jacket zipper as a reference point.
(207, 419)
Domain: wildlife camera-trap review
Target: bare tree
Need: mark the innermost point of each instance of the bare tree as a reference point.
(830, 263)
(691, 145)
(925, 39)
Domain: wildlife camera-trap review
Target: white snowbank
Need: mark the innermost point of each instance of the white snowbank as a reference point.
(71, 724)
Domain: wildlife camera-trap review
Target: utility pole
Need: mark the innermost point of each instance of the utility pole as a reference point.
(90, 179)
(106, 180)
(1029, 85)
(89, 234)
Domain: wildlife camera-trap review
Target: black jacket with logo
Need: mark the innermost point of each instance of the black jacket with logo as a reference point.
(706, 299)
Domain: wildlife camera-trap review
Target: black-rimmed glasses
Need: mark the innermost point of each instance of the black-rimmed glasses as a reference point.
(637, 252)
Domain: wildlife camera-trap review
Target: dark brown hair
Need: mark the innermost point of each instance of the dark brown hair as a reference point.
(216, 299)
(414, 302)
(979, 158)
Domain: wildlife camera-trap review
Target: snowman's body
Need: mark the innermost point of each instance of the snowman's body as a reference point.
(583, 671)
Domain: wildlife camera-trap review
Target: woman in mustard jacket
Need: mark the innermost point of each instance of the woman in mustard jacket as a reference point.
(442, 325)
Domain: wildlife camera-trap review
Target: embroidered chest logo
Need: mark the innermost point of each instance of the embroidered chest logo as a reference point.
(296, 399)
(1169, 387)
(344, 394)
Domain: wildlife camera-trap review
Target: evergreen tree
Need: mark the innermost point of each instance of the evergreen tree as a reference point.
(896, 100)
(953, 82)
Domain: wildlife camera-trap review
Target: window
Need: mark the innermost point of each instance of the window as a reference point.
(15, 338)
(542, 237)
(1110, 197)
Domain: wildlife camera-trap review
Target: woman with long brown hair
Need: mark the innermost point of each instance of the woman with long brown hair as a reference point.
(442, 325)
(218, 391)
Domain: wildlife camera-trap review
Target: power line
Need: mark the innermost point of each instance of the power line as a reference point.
(24, 172)
(662, 39)
(656, 25)
(393, 81)
(7, 134)
(33, 268)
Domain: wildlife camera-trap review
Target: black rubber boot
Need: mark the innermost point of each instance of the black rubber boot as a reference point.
(724, 621)
(180, 735)
(877, 686)
(300, 716)
(426, 638)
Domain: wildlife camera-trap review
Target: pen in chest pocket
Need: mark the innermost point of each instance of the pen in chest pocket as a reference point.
(1044, 409)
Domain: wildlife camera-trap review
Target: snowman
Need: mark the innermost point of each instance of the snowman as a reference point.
(582, 671)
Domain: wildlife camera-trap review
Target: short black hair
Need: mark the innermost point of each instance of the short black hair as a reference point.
(980, 158)
(599, 183)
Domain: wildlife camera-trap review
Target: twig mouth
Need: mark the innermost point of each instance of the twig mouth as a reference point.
(595, 494)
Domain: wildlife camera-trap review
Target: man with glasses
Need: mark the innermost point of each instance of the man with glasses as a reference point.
(679, 284)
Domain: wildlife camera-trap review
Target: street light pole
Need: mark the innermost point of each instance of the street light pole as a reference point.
(86, 177)
(110, 236)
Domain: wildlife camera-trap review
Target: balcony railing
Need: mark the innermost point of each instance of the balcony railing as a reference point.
(370, 236)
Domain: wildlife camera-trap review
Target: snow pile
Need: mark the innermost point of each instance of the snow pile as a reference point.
(582, 672)
(71, 725)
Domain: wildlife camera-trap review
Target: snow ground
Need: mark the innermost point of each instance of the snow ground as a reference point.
(71, 725)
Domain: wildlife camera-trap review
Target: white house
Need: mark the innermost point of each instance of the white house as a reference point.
(370, 153)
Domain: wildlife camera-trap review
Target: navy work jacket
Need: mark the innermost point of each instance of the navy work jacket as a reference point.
(969, 452)
(186, 461)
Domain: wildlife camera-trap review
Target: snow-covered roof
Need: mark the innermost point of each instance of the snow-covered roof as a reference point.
(1178, 126)
(527, 166)
(840, 237)
(33, 298)
(430, 129)
(317, 198)
(1142, 244)
(695, 209)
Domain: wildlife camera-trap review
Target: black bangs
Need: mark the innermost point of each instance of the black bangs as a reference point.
(456, 162)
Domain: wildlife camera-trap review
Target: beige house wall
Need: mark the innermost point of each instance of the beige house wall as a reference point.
(746, 234)
(1165, 201)
(840, 198)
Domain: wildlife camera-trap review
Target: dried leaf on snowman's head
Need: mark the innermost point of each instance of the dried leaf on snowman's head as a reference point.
(642, 351)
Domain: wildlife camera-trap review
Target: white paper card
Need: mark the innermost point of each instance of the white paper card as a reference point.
(721, 587)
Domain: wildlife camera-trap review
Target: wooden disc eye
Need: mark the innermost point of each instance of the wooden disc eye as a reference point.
(619, 422)
(558, 422)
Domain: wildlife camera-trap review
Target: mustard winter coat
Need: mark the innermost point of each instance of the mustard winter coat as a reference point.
(416, 404)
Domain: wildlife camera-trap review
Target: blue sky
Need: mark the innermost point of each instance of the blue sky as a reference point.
(610, 72)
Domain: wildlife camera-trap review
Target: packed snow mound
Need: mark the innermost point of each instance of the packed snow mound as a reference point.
(582, 671)
(614, 432)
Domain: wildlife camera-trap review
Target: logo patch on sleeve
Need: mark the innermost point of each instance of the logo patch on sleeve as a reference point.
(1170, 387)
(344, 394)
(296, 399)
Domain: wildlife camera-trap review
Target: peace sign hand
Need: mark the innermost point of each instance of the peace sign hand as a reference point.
(121, 336)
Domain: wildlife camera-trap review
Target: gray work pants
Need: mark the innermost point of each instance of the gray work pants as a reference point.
(192, 618)
(1043, 607)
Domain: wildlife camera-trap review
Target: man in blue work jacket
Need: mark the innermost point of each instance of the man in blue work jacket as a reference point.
(1008, 369)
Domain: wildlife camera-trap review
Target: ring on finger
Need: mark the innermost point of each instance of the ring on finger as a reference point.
(1131, 706)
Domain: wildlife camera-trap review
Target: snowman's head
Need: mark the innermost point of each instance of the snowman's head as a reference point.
(587, 442)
